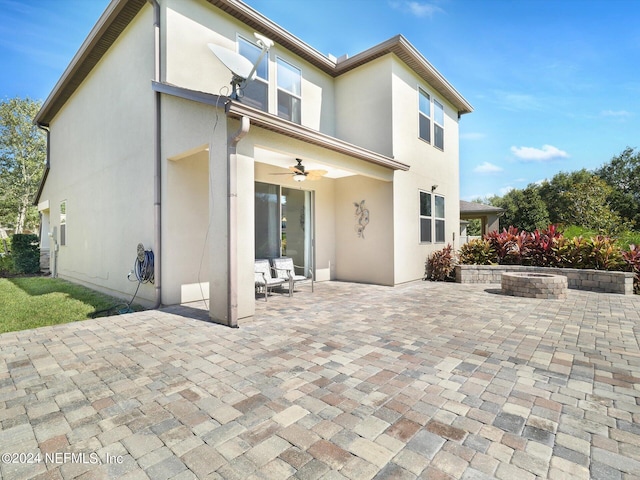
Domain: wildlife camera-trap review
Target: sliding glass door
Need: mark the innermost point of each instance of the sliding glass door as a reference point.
(283, 223)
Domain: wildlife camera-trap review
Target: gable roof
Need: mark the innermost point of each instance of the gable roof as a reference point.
(120, 13)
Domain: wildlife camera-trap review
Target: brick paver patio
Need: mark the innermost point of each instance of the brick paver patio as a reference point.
(425, 380)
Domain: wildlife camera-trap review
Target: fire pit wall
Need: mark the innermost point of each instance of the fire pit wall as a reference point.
(593, 280)
(534, 285)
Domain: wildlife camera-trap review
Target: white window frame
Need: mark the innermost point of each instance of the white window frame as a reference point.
(437, 219)
(423, 115)
(63, 223)
(422, 217)
(262, 81)
(289, 93)
(437, 106)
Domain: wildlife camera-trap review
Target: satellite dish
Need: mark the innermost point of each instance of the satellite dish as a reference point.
(240, 67)
(242, 70)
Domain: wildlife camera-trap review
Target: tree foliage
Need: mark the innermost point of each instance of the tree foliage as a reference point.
(587, 205)
(622, 173)
(554, 192)
(22, 160)
(606, 200)
(524, 209)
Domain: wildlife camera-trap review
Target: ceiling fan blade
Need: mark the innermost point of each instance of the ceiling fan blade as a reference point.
(296, 170)
(286, 173)
(316, 174)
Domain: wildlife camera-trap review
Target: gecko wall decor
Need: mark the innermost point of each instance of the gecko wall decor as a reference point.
(362, 218)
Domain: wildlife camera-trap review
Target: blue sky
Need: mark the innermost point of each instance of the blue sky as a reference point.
(555, 83)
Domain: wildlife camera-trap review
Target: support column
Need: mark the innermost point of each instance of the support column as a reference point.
(223, 198)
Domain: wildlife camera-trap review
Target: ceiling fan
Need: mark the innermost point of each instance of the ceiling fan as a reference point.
(300, 174)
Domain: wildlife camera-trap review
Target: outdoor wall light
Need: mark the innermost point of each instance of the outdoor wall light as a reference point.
(433, 187)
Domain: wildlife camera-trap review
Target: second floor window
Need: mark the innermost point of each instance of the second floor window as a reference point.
(289, 91)
(438, 125)
(256, 92)
(424, 116)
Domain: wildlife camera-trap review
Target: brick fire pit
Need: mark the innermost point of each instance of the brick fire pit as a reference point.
(534, 285)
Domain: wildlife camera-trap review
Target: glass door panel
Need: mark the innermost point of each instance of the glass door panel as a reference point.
(267, 220)
(296, 226)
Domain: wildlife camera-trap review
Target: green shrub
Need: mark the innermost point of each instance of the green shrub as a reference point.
(7, 268)
(604, 254)
(26, 253)
(440, 265)
(478, 252)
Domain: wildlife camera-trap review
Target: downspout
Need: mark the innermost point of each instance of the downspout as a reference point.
(232, 221)
(53, 248)
(157, 184)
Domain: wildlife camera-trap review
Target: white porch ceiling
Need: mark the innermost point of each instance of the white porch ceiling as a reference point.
(285, 160)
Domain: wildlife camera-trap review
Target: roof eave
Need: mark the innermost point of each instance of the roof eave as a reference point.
(109, 26)
(406, 52)
(276, 124)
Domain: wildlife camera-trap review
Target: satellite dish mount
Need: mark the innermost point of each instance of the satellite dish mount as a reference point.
(242, 71)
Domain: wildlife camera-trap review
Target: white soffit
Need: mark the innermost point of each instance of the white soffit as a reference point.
(284, 160)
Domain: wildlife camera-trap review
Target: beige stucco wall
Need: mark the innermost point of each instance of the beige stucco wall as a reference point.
(102, 165)
(189, 63)
(367, 257)
(429, 166)
(364, 113)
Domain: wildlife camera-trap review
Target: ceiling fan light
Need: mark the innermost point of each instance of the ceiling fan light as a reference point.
(299, 177)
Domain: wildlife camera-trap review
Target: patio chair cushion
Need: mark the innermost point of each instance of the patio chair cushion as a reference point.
(262, 274)
(285, 269)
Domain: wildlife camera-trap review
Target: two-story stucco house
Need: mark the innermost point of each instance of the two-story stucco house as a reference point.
(145, 146)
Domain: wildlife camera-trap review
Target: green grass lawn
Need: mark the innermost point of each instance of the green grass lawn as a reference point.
(31, 302)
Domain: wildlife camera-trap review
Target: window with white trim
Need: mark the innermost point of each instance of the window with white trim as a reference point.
(256, 92)
(432, 223)
(63, 222)
(426, 217)
(439, 218)
(438, 125)
(289, 91)
(424, 116)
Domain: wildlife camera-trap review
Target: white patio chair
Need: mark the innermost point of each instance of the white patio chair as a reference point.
(264, 279)
(286, 270)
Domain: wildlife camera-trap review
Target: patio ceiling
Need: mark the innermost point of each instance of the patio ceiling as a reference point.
(286, 160)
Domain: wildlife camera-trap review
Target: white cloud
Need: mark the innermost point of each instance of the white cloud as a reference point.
(418, 9)
(505, 190)
(487, 167)
(544, 154)
(423, 9)
(616, 113)
(516, 102)
(472, 136)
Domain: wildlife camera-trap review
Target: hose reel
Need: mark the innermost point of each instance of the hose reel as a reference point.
(143, 266)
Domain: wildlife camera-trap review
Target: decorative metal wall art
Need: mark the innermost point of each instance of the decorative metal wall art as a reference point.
(362, 218)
